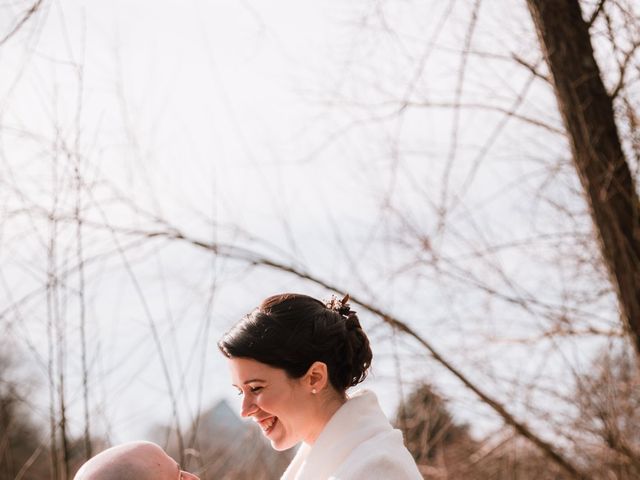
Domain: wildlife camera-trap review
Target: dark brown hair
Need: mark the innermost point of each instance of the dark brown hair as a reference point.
(291, 331)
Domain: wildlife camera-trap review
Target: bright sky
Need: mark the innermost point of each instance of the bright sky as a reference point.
(278, 120)
(189, 108)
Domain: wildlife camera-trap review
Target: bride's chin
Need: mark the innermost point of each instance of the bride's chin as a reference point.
(282, 446)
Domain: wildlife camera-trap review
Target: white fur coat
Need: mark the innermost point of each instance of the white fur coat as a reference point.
(358, 443)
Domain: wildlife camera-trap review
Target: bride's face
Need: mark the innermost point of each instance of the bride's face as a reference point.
(279, 404)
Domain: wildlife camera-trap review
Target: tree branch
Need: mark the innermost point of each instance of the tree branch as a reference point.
(28, 14)
(256, 259)
(596, 13)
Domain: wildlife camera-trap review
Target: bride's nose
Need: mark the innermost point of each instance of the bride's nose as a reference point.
(248, 406)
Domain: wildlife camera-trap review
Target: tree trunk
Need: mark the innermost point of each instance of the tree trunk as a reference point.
(587, 111)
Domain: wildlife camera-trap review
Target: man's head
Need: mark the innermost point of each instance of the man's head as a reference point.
(135, 460)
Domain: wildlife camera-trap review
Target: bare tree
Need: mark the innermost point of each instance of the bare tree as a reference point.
(587, 111)
(478, 254)
(608, 399)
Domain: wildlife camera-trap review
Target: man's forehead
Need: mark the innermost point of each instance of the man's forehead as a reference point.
(140, 459)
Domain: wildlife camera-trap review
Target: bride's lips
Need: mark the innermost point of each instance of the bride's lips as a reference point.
(267, 424)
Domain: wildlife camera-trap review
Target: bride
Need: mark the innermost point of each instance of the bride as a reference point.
(292, 359)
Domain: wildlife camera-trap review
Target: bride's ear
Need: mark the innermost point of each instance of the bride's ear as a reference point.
(317, 377)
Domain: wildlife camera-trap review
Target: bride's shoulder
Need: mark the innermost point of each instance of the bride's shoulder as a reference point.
(381, 457)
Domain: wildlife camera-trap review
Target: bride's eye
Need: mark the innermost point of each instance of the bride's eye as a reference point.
(256, 389)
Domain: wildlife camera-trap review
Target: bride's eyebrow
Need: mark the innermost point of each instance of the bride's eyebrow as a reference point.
(251, 381)
(254, 380)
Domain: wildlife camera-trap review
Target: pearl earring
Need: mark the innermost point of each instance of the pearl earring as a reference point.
(314, 391)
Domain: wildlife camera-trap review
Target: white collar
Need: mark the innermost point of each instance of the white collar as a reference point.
(355, 422)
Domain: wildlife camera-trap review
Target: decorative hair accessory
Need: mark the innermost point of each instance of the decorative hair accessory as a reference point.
(340, 306)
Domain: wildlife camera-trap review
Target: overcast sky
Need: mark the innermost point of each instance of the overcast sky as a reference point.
(276, 126)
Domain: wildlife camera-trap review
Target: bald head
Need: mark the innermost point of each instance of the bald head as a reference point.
(132, 461)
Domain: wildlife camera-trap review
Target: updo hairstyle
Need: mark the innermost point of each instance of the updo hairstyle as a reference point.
(292, 331)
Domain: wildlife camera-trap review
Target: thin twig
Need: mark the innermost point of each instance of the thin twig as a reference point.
(532, 68)
(28, 14)
(596, 13)
(256, 259)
